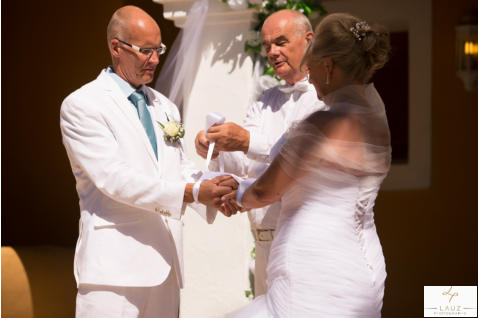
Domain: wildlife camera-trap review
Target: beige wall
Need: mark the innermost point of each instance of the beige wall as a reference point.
(50, 48)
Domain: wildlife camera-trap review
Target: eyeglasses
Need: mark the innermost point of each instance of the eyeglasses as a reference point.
(146, 51)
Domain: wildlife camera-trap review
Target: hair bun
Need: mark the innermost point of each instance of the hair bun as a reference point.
(376, 47)
(358, 48)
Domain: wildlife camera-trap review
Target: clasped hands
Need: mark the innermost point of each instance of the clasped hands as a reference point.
(227, 137)
(220, 192)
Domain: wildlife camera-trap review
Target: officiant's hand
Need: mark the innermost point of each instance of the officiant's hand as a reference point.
(229, 137)
(202, 145)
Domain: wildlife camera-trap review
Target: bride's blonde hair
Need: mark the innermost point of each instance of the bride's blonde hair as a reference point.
(355, 47)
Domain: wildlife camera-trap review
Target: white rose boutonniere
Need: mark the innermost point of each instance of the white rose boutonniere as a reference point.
(172, 130)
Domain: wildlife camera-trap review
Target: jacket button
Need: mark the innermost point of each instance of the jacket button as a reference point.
(163, 212)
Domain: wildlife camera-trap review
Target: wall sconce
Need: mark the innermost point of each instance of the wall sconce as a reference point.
(467, 52)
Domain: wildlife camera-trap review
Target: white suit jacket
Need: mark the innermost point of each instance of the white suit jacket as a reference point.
(131, 203)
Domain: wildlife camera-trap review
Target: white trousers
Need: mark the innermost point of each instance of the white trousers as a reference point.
(162, 301)
(263, 248)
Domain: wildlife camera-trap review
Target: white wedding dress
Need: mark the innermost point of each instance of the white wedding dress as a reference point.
(326, 259)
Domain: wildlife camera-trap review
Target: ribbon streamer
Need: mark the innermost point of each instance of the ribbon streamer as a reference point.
(211, 120)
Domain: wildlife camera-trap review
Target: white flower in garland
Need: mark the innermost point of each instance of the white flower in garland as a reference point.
(254, 38)
(237, 4)
(172, 130)
(281, 3)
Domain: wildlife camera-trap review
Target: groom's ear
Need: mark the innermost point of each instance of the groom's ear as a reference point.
(114, 47)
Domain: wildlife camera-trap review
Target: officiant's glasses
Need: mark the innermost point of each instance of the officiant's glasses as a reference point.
(146, 51)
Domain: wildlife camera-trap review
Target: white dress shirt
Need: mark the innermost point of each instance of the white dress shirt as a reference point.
(267, 120)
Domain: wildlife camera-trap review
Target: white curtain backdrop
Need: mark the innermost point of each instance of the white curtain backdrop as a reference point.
(175, 80)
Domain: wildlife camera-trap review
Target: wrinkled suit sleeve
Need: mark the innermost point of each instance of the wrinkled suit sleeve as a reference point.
(93, 150)
(259, 144)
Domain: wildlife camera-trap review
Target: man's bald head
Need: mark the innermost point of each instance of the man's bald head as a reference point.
(282, 17)
(127, 21)
(131, 34)
(285, 36)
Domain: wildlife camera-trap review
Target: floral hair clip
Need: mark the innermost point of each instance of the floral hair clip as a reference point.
(360, 29)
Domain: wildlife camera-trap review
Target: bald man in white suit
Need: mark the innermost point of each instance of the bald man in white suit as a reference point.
(132, 184)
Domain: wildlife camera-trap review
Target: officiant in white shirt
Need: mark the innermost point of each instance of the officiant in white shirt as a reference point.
(245, 149)
(133, 180)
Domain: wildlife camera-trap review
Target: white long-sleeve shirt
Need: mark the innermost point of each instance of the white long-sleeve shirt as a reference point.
(267, 120)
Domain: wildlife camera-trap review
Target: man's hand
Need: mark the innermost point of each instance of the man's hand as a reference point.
(202, 145)
(228, 184)
(210, 191)
(228, 137)
(229, 204)
(230, 207)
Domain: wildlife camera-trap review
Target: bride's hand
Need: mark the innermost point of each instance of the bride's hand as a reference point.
(229, 207)
(229, 200)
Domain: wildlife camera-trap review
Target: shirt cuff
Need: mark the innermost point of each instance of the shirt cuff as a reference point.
(243, 186)
(258, 147)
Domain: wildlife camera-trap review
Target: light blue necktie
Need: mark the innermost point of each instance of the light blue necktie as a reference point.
(139, 101)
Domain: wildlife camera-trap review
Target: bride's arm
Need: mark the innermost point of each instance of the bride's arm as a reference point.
(269, 188)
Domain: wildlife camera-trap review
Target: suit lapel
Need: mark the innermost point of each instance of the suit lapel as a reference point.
(125, 107)
(166, 152)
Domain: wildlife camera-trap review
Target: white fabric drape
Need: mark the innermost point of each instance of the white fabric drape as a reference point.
(176, 78)
(361, 143)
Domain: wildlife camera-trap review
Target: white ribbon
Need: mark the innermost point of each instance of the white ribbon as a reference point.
(243, 186)
(211, 120)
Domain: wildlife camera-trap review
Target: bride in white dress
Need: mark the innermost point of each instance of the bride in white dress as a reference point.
(326, 259)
